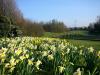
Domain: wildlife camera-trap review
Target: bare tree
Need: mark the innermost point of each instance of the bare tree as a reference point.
(9, 8)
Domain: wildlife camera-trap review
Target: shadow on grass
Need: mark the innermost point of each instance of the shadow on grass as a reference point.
(81, 37)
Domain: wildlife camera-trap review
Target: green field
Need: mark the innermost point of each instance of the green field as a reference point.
(86, 43)
(77, 38)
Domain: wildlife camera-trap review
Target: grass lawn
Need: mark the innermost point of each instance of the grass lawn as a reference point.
(77, 38)
(50, 34)
(86, 43)
(78, 32)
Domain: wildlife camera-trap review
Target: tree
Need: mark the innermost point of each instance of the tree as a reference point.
(30, 28)
(9, 11)
(5, 25)
(9, 8)
(55, 26)
(95, 27)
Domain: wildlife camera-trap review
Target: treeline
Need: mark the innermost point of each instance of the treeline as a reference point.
(54, 26)
(78, 28)
(10, 17)
(94, 28)
(12, 22)
(30, 28)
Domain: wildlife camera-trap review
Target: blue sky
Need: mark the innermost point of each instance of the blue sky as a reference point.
(71, 12)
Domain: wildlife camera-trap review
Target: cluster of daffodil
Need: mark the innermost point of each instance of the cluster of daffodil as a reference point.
(46, 56)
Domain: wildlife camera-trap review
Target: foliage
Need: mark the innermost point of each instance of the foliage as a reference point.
(55, 26)
(6, 27)
(38, 28)
(9, 8)
(30, 28)
(46, 56)
(10, 17)
(94, 28)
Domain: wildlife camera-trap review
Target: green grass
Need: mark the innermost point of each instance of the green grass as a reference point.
(49, 34)
(86, 43)
(83, 38)
(78, 32)
(77, 38)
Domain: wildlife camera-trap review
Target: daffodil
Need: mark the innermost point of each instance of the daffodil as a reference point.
(11, 69)
(75, 48)
(4, 49)
(18, 52)
(7, 65)
(61, 69)
(27, 55)
(17, 61)
(44, 53)
(30, 62)
(37, 64)
(53, 48)
(3, 60)
(12, 61)
(24, 51)
(91, 49)
(50, 57)
(22, 57)
(2, 55)
(80, 52)
(78, 72)
(98, 54)
(68, 50)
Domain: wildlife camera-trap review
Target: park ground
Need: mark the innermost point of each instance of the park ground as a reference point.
(77, 38)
